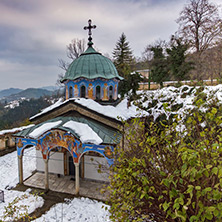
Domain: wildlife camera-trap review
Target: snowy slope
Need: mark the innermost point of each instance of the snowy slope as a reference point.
(9, 179)
(77, 209)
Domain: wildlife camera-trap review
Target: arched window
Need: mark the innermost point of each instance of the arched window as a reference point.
(70, 92)
(83, 91)
(98, 92)
(110, 92)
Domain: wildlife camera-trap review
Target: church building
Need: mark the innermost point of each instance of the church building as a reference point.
(79, 132)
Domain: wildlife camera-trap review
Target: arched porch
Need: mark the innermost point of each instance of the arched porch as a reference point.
(65, 141)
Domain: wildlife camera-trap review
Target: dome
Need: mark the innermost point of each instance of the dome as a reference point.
(91, 65)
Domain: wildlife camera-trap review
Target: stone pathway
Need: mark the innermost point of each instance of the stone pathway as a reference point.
(65, 184)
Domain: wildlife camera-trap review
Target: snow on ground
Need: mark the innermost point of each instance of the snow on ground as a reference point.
(9, 179)
(77, 209)
(80, 210)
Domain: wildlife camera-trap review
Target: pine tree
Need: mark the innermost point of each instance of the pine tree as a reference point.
(123, 56)
(159, 66)
(124, 61)
(178, 65)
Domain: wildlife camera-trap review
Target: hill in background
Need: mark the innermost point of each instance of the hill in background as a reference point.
(8, 92)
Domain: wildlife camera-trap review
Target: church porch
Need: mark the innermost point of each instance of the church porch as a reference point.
(65, 184)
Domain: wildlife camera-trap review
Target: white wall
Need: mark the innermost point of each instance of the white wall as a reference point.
(56, 162)
(91, 166)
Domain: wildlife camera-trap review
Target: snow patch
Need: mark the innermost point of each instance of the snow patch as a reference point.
(81, 210)
(9, 179)
(86, 134)
(17, 129)
(120, 111)
(43, 128)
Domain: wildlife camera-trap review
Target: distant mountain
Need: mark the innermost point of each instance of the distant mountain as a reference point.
(8, 92)
(50, 88)
(29, 93)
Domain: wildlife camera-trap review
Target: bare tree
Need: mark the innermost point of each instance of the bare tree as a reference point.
(200, 24)
(213, 62)
(74, 49)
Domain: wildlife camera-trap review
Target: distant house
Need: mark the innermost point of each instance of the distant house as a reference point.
(77, 134)
(7, 141)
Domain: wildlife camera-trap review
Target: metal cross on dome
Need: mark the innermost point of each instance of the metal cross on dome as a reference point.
(90, 27)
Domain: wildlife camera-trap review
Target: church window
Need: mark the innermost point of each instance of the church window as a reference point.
(98, 92)
(70, 92)
(83, 91)
(110, 92)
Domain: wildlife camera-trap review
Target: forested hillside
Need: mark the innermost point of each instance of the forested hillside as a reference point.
(10, 118)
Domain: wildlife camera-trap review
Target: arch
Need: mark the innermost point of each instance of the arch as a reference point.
(83, 91)
(98, 92)
(22, 143)
(58, 157)
(111, 92)
(54, 147)
(70, 92)
(94, 151)
(94, 166)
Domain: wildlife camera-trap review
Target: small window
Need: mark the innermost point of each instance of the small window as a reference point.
(70, 92)
(110, 92)
(6, 142)
(98, 92)
(83, 91)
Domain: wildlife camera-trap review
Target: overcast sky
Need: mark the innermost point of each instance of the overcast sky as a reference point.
(34, 33)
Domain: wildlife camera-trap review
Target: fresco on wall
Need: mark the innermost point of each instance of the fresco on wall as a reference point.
(90, 91)
(61, 139)
(105, 92)
(91, 87)
(76, 91)
(115, 92)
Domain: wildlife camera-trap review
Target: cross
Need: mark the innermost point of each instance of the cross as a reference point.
(90, 27)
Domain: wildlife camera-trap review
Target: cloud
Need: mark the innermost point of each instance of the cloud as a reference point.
(27, 76)
(34, 34)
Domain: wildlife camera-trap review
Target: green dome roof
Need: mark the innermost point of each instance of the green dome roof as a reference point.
(91, 65)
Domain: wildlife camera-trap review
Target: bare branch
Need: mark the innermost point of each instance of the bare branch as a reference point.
(200, 23)
(75, 48)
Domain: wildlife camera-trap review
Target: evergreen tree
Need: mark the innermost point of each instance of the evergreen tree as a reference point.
(178, 65)
(124, 61)
(123, 56)
(159, 67)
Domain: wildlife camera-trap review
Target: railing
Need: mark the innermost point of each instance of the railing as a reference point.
(2, 196)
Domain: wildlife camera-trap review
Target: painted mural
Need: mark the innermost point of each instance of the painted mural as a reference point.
(90, 86)
(62, 140)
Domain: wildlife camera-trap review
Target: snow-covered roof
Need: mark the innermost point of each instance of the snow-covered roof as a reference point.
(17, 129)
(86, 130)
(121, 111)
(44, 128)
(86, 133)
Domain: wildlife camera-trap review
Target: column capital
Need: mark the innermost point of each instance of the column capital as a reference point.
(76, 164)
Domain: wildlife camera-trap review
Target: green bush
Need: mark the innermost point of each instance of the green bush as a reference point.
(172, 172)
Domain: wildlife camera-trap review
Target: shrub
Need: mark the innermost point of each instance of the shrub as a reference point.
(172, 172)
